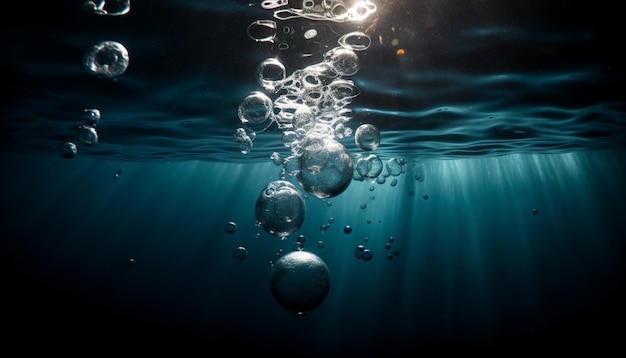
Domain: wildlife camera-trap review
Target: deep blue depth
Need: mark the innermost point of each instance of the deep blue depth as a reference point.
(476, 269)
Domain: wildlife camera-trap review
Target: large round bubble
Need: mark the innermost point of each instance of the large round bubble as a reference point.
(325, 166)
(343, 61)
(367, 137)
(280, 208)
(300, 281)
(107, 59)
(255, 111)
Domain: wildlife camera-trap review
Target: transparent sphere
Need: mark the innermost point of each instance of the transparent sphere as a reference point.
(69, 150)
(280, 208)
(107, 59)
(369, 166)
(270, 73)
(107, 7)
(343, 61)
(230, 227)
(243, 139)
(256, 111)
(325, 167)
(300, 281)
(240, 253)
(87, 135)
(91, 116)
(367, 137)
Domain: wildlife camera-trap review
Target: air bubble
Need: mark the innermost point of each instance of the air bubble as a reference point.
(280, 208)
(367, 137)
(356, 41)
(107, 59)
(326, 167)
(245, 142)
(240, 253)
(262, 30)
(270, 73)
(343, 61)
(69, 150)
(107, 7)
(230, 227)
(87, 135)
(309, 34)
(255, 111)
(91, 116)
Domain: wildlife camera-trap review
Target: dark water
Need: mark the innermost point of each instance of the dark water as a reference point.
(510, 114)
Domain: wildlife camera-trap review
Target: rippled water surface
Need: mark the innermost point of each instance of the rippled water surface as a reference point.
(474, 79)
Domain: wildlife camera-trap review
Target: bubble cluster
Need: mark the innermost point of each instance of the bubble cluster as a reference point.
(363, 253)
(329, 10)
(241, 137)
(310, 106)
(107, 59)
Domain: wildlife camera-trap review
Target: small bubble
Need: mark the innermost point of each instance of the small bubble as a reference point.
(130, 262)
(240, 253)
(91, 116)
(347, 229)
(230, 227)
(363, 205)
(425, 196)
(320, 244)
(358, 251)
(276, 158)
(309, 34)
(69, 150)
(87, 135)
(388, 246)
(535, 211)
(117, 173)
(389, 256)
(367, 255)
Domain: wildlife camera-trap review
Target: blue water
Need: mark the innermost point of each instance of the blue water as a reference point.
(512, 114)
